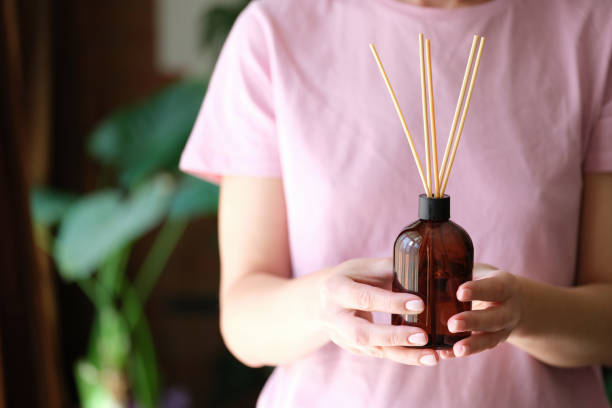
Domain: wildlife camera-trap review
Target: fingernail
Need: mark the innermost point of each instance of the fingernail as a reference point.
(418, 338)
(429, 360)
(415, 305)
(460, 350)
(465, 294)
(457, 325)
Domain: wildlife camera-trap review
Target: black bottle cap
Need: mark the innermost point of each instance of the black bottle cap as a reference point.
(434, 209)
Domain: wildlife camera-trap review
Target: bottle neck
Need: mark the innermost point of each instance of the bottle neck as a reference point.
(434, 209)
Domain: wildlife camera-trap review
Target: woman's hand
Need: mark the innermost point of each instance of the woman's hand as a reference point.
(496, 298)
(358, 287)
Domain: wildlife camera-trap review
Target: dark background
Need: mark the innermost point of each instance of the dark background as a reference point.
(65, 66)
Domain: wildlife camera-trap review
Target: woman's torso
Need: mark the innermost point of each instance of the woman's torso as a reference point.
(351, 183)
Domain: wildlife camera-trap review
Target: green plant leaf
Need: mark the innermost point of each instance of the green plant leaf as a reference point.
(48, 206)
(108, 351)
(93, 356)
(112, 270)
(143, 374)
(216, 23)
(142, 367)
(92, 393)
(157, 257)
(99, 224)
(148, 137)
(193, 198)
(113, 341)
(142, 363)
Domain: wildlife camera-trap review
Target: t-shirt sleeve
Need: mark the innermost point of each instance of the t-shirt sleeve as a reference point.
(598, 157)
(235, 131)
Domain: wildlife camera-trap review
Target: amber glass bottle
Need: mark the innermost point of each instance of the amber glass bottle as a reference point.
(432, 257)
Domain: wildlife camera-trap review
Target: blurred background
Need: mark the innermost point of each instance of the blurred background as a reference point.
(109, 258)
(108, 287)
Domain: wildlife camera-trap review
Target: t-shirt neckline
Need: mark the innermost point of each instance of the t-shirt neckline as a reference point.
(477, 10)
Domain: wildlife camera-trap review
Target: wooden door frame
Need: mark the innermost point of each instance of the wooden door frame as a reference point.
(28, 360)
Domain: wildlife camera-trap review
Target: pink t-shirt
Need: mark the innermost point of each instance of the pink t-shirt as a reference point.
(296, 94)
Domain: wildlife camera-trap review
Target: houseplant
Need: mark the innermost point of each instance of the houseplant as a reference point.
(90, 237)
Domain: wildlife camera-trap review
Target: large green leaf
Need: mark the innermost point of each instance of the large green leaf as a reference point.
(48, 206)
(99, 224)
(148, 137)
(193, 198)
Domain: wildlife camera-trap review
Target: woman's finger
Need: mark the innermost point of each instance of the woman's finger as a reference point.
(424, 357)
(373, 351)
(359, 296)
(360, 332)
(488, 320)
(446, 354)
(478, 342)
(498, 287)
(359, 350)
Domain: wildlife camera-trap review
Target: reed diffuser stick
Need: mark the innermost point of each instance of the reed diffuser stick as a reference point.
(401, 117)
(464, 113)
(432, 117)
(424, 103)
(451, 135)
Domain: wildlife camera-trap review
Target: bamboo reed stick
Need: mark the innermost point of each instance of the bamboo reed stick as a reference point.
(424, 103)
(464, 113)
(401, 117)
(451, 135)
(432, 117)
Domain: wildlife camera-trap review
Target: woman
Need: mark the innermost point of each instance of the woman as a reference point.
(317, 180)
